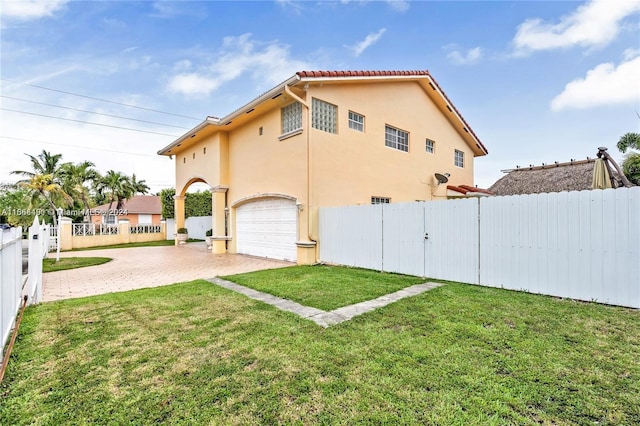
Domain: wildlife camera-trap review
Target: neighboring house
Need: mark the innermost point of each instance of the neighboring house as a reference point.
(139, 210)
(557, 177)
(466, 191)
(322, 138)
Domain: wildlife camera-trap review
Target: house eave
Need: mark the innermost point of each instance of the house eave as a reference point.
(169, 149)
(227, 122)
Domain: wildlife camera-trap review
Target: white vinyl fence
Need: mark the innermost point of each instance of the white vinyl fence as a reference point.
(196, 225)
(10, 281)
(581, 245)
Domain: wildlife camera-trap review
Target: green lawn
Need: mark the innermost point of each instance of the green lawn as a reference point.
(50, 265)
(325, 287)
(194, 353)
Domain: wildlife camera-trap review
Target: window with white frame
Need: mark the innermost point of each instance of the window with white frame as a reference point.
(380, 200)
(356, 121)
(292, 117)
(458, 158)
(324, 116)
(396, 138)
(430, 146)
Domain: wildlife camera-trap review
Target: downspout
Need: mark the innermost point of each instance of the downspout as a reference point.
(309, 186)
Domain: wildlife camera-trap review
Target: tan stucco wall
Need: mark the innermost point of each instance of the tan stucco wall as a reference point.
(346, 168)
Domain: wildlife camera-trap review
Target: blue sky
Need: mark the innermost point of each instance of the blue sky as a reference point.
(538, 81)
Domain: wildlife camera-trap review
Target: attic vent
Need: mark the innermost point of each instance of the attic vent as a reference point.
(279, 94)
(432, 86)
(465, 129)
(227, 123)
(251, 110)
(449, 108)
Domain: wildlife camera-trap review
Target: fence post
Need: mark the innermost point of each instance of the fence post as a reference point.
(34, 287)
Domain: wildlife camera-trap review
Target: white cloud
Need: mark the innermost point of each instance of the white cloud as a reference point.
(398, 5)
(267, 63)
(594, 24)
(603, 85)
(472, 56)
(369, 40)
(30, 9)
(193, 84)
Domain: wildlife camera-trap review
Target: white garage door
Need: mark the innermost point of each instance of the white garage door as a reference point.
(267, 228)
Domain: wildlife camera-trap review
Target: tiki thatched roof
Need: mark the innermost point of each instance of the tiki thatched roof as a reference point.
(557, 177)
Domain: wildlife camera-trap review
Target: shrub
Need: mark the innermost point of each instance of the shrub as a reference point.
(182, 231)
(209, 233)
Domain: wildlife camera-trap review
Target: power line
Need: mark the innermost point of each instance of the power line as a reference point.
(88, 122)
(101, 100)
(92, 112)
(78, 146)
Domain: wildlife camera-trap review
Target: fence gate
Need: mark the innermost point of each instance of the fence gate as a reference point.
(437, 239)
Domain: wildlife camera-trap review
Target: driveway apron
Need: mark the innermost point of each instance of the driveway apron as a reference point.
(141, 267)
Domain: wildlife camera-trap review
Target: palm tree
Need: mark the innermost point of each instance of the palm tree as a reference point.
(631, 163)
(44, 180)
(74, 177)
(43, 185)
(116, 187)
(44, 163)
(139, 186)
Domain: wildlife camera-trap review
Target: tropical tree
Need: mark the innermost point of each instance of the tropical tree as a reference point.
(44, 181)
(14, 205)
(115, 187)
(43, 185)
(631, 163)
(74, 180)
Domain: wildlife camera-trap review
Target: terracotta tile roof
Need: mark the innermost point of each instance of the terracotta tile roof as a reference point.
(140, 204)
(342, 74)
(359, 73)
(464, 189)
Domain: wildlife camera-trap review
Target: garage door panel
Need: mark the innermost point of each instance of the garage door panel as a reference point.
(267, 228)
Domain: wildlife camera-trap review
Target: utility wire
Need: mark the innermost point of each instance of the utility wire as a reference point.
(78, 146)
(101, 100)
(92, 112)
(88, 122)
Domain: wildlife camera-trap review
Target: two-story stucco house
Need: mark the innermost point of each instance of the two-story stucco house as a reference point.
(322, 138)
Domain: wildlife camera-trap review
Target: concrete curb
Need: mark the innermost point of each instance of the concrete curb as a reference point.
(326, 318)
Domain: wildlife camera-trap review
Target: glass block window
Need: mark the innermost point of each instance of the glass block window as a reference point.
(324, 116)
(430, 146)
(458, 158)
(356, 121)
(292, 117)
(380, 200)
(396, 138)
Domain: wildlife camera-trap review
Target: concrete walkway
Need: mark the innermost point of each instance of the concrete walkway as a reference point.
(134, 268)
(324, 318)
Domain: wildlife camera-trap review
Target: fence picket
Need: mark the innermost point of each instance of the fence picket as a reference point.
(581, 245)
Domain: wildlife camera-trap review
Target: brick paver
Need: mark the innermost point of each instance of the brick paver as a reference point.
(133, 268)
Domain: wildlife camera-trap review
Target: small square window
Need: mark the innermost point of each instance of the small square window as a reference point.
(430, 146)
(458, 158)
(380, 200)
(356, 121)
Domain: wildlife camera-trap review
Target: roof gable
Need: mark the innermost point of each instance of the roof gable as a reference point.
(139, 204)
(267, 100)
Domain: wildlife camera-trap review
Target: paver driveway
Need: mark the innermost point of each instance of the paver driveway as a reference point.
(141, 267)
